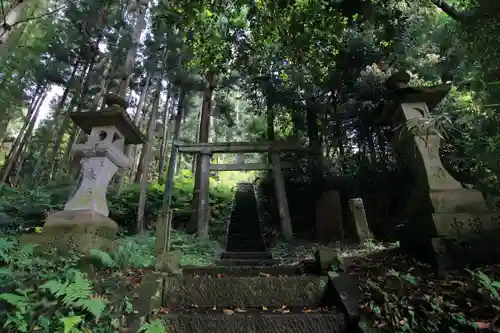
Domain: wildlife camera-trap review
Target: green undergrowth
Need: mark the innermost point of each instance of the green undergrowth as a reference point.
(28, 205)
(48, 292)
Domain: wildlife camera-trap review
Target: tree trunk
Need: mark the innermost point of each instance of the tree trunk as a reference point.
(270, 123)
(17, 146)
(150, 134)
(37, 170)
(27, 135)
(206, 109)
(128, 67)
(167, 195)
(54, 158)
(12, 16)
(129, 150)
(143, 171)
(167, 128)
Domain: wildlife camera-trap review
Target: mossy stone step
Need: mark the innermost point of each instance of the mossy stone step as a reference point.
(242, 271)
(246, 255)
(273, 291)
(331, 322)
(247, 262)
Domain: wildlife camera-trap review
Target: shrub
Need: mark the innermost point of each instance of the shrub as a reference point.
(29, 207)
(49, 293)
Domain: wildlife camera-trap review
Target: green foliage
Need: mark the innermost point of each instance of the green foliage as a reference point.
(51, 292)
(45, 293)
(29, 207)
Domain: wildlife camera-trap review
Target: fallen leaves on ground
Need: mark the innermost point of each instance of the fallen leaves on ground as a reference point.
(401, 294)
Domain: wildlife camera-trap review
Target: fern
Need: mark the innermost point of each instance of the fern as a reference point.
(70, 291)
(94, 306)
(104, 257)
(70, 323)
(156, 326)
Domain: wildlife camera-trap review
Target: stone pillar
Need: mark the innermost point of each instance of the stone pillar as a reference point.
(358, 216)
(279, 184)
(438, 205)
(204, 205)
(84, 223)
(329, 222)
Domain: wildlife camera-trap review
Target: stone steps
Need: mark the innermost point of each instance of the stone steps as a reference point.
(242, 271)
(330, 322)
(245, 292)
(244, 232)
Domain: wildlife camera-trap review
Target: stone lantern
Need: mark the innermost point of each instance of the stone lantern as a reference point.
(445, 222)
(84, 223)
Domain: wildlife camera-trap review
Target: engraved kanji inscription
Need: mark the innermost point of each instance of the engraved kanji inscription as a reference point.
(475, 225)
(457, 225)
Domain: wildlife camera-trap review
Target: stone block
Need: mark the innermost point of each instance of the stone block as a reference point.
(332, 322)
(473, 251)
(329, 224)
(273, 291)
(215, 271)
(150, 293)
(345, 294)
(328, 259)
(460, 225)
(246, 255)
(169, 262)
(458, 201)
(80, 231)
(358, 215)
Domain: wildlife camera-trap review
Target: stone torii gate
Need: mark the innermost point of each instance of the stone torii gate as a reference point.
(205, 151)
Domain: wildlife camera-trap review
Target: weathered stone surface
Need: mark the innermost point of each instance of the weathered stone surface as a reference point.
(472, 251)
(77, 230)
(81, 243)
(245, 291)
(91, 194)
(244, 230)
(247, 262)
(328, 258)
(438, 206)
(329, 223)
(80, 221)
(150, 293)
(358, 214)
(345, 294)
(246, 255)
(257, 323)
(462, 225)
(110, 116)
(242, 271)
(169, 262)
(461, 200)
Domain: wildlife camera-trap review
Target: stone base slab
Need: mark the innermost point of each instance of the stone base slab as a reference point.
(81, 243)
(332, 322)
(81, 231)
(451, 252)
(474, 251)
(80, 221)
